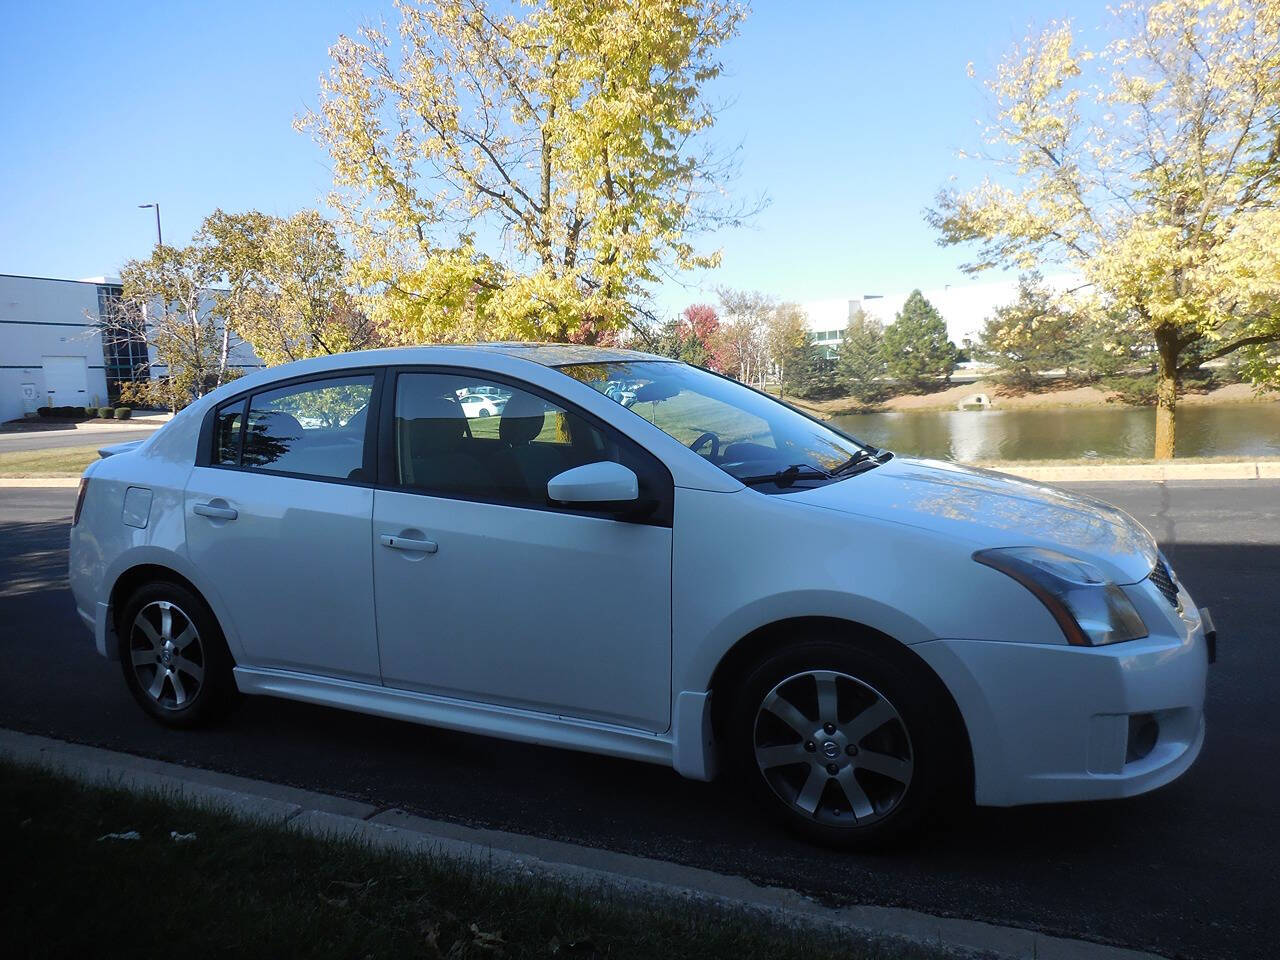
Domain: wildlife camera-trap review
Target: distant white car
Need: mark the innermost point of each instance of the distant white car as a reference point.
(479, 405)
(705, 578)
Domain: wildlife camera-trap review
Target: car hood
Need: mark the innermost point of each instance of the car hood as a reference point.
(991, 509)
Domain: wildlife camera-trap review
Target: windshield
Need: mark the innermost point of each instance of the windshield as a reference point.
(747, 434)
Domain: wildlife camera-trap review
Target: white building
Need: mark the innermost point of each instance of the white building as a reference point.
(965, 308)
(52, 349)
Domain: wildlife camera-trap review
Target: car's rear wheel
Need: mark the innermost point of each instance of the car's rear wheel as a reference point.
(841, 744)
(175, 660)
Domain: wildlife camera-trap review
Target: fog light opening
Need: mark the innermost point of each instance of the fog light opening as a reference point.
(1144, 731)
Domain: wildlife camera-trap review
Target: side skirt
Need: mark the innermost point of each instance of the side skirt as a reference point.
(507, 723)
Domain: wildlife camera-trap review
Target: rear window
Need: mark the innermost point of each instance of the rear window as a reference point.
(314, 429)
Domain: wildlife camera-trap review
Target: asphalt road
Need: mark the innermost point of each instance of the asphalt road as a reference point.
(49, 439)
(1189, 871)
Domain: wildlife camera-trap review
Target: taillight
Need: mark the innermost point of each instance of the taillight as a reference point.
(84, 488)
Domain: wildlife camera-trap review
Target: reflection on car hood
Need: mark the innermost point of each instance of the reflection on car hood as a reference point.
(994, 510)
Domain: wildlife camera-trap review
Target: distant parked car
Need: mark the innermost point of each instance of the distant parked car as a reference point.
(707, 579)
(479, 405)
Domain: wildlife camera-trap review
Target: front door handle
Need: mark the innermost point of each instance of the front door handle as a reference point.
(214, 511)
(405, 543)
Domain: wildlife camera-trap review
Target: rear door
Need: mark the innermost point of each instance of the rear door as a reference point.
(485, 592)
(278, 514)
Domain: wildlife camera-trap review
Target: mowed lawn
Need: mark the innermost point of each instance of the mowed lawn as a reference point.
(94, 872)
(55, 462)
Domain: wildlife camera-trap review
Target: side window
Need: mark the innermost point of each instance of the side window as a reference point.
(487, 441)
(316, 429)
(226, 435)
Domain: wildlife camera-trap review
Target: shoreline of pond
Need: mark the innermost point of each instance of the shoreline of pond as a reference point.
(1005, 399)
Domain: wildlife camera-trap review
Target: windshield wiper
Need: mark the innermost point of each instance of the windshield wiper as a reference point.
(787, 476)
(863, 458)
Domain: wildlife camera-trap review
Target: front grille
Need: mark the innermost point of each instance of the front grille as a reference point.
(1162, 577)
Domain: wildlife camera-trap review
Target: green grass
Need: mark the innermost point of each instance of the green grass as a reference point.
(55, 462)
(245, 889)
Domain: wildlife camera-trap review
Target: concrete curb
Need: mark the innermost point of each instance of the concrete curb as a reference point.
(509, 853)
(1152, 472)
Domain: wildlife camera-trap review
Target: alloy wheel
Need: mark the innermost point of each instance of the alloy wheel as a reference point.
(167, 654)
(833, 748)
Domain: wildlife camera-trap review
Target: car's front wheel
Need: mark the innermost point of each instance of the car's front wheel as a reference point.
(845, 746)
(175, 660)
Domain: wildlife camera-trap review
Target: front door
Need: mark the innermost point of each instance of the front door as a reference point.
(279, 520)
(486, 593)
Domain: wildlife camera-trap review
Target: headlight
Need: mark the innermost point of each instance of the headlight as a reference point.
(1090, 609)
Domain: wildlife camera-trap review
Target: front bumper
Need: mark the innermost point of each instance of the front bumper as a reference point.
(1050, 723)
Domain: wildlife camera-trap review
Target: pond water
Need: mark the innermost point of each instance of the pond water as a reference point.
(1068, 434)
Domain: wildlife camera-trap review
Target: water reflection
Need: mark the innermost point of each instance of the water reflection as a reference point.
(1244, 431)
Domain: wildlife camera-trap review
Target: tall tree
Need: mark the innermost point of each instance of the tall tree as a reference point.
(743, 341)
(286, 291)
(860, 367)
(166, 296)
(522, 173)
(810, 373)
(787, 340)
(1152, 167)
(916, 350)
(700, 324)
(1030, 336)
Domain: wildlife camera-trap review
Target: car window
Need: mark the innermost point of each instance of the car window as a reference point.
(688, 415)
(226, 434)
(748, 435)
(503, 445)
(315, 429)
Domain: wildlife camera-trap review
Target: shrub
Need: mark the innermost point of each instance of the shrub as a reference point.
(1137, 391)
(123, 413)
(105, 413)
(155, 394)
(44, 411)
(87, 413)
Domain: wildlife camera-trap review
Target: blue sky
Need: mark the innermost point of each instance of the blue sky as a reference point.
(849, 113)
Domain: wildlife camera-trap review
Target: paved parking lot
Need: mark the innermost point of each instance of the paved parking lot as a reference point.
(1190, 871)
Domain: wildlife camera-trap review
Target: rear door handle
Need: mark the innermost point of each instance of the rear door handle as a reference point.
(405, 543)
(215, 512)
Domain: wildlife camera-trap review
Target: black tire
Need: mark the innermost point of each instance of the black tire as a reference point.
(203, 663)
(923, 735)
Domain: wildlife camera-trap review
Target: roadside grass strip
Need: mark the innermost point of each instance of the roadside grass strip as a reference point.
(103, 871)
(50, 462)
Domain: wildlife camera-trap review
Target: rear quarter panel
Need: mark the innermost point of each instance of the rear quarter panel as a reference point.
(103, 546)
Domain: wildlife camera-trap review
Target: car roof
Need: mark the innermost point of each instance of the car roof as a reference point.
(549, 355)
(562, 354)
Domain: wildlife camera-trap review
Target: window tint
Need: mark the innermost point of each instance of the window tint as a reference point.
(315, 428)
(504, 449)
(226, 434)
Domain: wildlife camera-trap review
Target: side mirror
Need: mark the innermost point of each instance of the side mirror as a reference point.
(604, 486)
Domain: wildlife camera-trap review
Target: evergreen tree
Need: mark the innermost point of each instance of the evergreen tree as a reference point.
(1032, 335)
(917, 352)
(860, 369)
(809, 373)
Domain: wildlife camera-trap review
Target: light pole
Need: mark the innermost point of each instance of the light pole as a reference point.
(147, 206)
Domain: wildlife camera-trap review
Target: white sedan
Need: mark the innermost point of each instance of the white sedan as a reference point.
(479, 405)
(706, 578)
